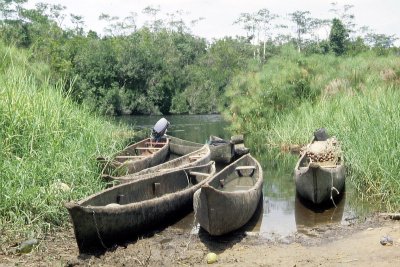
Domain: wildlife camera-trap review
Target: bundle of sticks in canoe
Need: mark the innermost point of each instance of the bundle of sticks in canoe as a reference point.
(324, 152)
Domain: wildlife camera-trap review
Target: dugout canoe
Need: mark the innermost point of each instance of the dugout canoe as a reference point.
(229, 199)
(136, 157)
(198, 157)
(221, 150)
(319, 182)
(124, 212)
(182, 147)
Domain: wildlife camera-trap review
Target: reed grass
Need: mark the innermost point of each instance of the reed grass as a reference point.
(356, 99)
(48, 147)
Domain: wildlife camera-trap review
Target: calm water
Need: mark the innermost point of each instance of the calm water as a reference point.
(196, 128)
(280, 213)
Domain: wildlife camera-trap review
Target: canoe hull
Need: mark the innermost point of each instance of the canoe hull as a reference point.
(220, 212)
(135, 165)
(315, 184)
(319, 180)
(182, 147)
(196, 158)
(99, 227)
(221, 152)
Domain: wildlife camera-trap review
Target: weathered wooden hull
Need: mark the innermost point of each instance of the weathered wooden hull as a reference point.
(220, 212)
(138, 156)
(317, 183)
(199, 157)
(222, 152)
(99, 222)
(182, 147)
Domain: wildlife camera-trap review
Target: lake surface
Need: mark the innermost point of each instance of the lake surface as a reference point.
(280, 213)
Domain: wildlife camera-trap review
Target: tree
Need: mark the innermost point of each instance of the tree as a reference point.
(304, 25)
(56, 13)
(78, 22)
(117, 27)
(380, 42)
(345, 16)
(156, 24)
(266, 18)
(338, 37)
(255, 24)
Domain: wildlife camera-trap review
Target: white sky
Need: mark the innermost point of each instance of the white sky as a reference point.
(381, 16)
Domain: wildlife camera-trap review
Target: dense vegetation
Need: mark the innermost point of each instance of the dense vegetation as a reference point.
(155, 69)
(355, 98)
(276, 88)
(160, 67)
(48, 147)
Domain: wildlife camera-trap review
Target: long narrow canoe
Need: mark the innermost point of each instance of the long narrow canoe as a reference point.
(229, 199)
(198, 157)
(123, 212)
(182, 147)
(221, 150)
(316, 181)
(136, 157)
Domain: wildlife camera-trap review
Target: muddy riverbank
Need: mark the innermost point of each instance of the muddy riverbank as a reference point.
(356, 243)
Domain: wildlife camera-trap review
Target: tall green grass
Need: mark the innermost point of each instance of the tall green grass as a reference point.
(48, 147)
(356, 99)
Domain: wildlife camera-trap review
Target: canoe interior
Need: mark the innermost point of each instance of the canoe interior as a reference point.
(200, 155)
(181, 147)
(149, 188)
(221, 150)
(231, 180)
(228, 201)
(139, 156)
(142, 149)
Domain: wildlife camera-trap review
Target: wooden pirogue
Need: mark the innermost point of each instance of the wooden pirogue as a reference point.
(221, 150)
(182, 147)
(229, 199)
(136, 157)
(120, 213)
(320, 173)
(198, 157)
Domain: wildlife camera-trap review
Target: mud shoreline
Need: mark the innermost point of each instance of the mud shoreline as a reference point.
(353, 244)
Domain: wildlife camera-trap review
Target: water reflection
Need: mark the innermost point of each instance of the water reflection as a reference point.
(278, 218)
(280, 213)
(309, 216)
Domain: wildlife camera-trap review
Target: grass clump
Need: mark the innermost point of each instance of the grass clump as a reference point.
(355, 98)
(48, 147)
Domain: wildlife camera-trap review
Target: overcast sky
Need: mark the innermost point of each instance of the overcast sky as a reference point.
(382, 16)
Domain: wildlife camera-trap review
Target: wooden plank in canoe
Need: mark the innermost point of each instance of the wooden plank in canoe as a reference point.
(239, 170)
(155, 143)
(199, 173)
(130, 157)
(148, 148)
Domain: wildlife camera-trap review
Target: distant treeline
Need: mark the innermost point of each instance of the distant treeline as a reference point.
(161, 67)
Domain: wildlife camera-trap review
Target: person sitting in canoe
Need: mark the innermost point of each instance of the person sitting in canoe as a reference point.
(159, 129)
